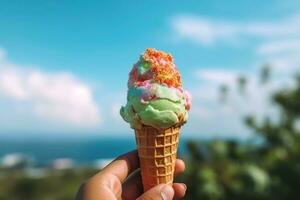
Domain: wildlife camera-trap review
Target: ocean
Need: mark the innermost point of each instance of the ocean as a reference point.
(83, 151)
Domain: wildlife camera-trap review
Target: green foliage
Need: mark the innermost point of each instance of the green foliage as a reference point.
(265, 73)
(224, 90)
(270, 170)
(58, 185)
(242, 82)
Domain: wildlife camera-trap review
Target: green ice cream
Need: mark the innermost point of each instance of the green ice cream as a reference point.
(165, 111)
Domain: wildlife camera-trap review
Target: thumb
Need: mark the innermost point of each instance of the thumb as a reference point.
(159, 192)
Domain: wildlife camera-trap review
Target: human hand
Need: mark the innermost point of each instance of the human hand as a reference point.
(121, 179)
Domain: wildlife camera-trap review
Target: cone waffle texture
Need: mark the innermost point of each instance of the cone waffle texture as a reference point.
(157, 151)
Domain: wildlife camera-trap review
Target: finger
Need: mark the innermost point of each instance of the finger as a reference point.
(133, 188)
(92, 191)
(123, 165)
(180, 190)
(159, 192)
(111, 177)
(179, 167)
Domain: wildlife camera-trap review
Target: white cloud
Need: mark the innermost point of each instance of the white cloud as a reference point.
(283, 55)
(217, 76)
(203, 30)
(282, 28)
(208, 31)
(210, 116)
(11, 84)
(277, 42)
(55, 97)
(277, 47)
(289, 64)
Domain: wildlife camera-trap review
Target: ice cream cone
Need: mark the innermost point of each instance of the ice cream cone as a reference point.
(157, 106)
(157, 150)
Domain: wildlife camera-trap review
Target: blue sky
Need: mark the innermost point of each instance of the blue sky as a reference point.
(64, 64)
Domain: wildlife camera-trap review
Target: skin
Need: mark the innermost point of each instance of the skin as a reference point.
(121, 179)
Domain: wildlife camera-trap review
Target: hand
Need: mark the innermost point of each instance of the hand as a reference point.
(121, 179)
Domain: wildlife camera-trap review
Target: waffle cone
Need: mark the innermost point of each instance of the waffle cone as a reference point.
(157, 150)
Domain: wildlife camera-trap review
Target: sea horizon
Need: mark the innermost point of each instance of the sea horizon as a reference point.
(82, 149)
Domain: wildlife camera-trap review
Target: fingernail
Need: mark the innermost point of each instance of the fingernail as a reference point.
(184, 186)
(167, 192)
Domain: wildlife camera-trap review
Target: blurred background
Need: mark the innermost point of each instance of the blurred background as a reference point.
(63, 72)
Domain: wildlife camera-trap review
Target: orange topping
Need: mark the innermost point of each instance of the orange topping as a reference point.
(163, 68)
(152, 54)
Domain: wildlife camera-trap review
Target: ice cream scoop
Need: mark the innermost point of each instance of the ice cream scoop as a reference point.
(155, 96)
